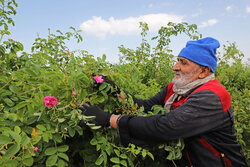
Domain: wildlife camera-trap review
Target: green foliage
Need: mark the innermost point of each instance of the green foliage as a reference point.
(53, 70)
(7, 8)
(154, 63)
(235, 76)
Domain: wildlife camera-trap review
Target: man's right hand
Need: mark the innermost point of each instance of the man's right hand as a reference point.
(102, 118)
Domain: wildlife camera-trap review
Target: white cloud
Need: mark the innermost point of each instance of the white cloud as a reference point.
(100, 27)
(248, 9)
(104, 49)
(208, 23)
(228, 8)
(197, 13)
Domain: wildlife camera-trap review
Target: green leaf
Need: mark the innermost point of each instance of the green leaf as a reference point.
(41, 127)
(31, 109)
(123, 156)
(60, 120)
(15, 99)
(144, 153)
(169, 148)
(25, 140)
(99, 160)
(123, 162)
(98, 147)
(115, 160)
(51, 160)
(12, 163)
(150, 155)
(14, 88)
(11, 151)
(5, 92)
(64, 156)
(4, 139)
(63, 108)
(30, 72)
(79, 130)
(2, 50)
(12, 116)
(21, 105)
(45, 87)
(27, 153)
(101, 99)
(36, 140)
(178, 154)
(46, 137)
(171, 155)
(117, 152)
(116, 165)
(108, 149)
(102, 86)
(50, 151)
(71, 132)
(61, 163)
(9, 102)
(57, 137)
(105, 157)
(15, 136)
(31, 120)
(28, 161)
(103, 57)
(63, 148)
(95, 127)
(93, 141)
(17, 129)
(87, 118)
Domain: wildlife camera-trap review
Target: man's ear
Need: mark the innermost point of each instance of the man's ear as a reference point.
(204, 72)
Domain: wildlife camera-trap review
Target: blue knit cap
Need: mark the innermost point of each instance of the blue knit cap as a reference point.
(202, 51)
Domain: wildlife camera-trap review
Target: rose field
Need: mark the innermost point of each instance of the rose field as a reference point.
(40, 125)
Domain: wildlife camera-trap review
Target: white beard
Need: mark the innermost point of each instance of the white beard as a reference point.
(184, 79)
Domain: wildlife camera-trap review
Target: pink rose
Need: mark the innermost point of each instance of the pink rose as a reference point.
(35, 149)
(91, 63)
(50, 101)
(99, 79)
(73, 93)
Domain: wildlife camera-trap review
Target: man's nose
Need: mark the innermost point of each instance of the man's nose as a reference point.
(176, 67)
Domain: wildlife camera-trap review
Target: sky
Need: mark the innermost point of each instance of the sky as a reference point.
(108, 24)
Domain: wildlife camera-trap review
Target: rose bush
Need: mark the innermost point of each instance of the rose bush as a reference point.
(41, 125)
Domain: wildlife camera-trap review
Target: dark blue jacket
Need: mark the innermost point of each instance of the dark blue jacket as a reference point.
(203, 117)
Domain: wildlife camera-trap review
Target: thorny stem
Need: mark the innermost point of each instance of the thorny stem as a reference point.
(174, 163)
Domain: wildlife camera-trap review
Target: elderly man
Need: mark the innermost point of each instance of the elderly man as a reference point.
(200, 112)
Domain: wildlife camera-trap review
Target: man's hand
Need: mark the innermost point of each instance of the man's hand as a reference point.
(102, 117)
(100, 79)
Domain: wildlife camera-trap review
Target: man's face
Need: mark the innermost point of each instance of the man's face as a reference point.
(186, 71)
